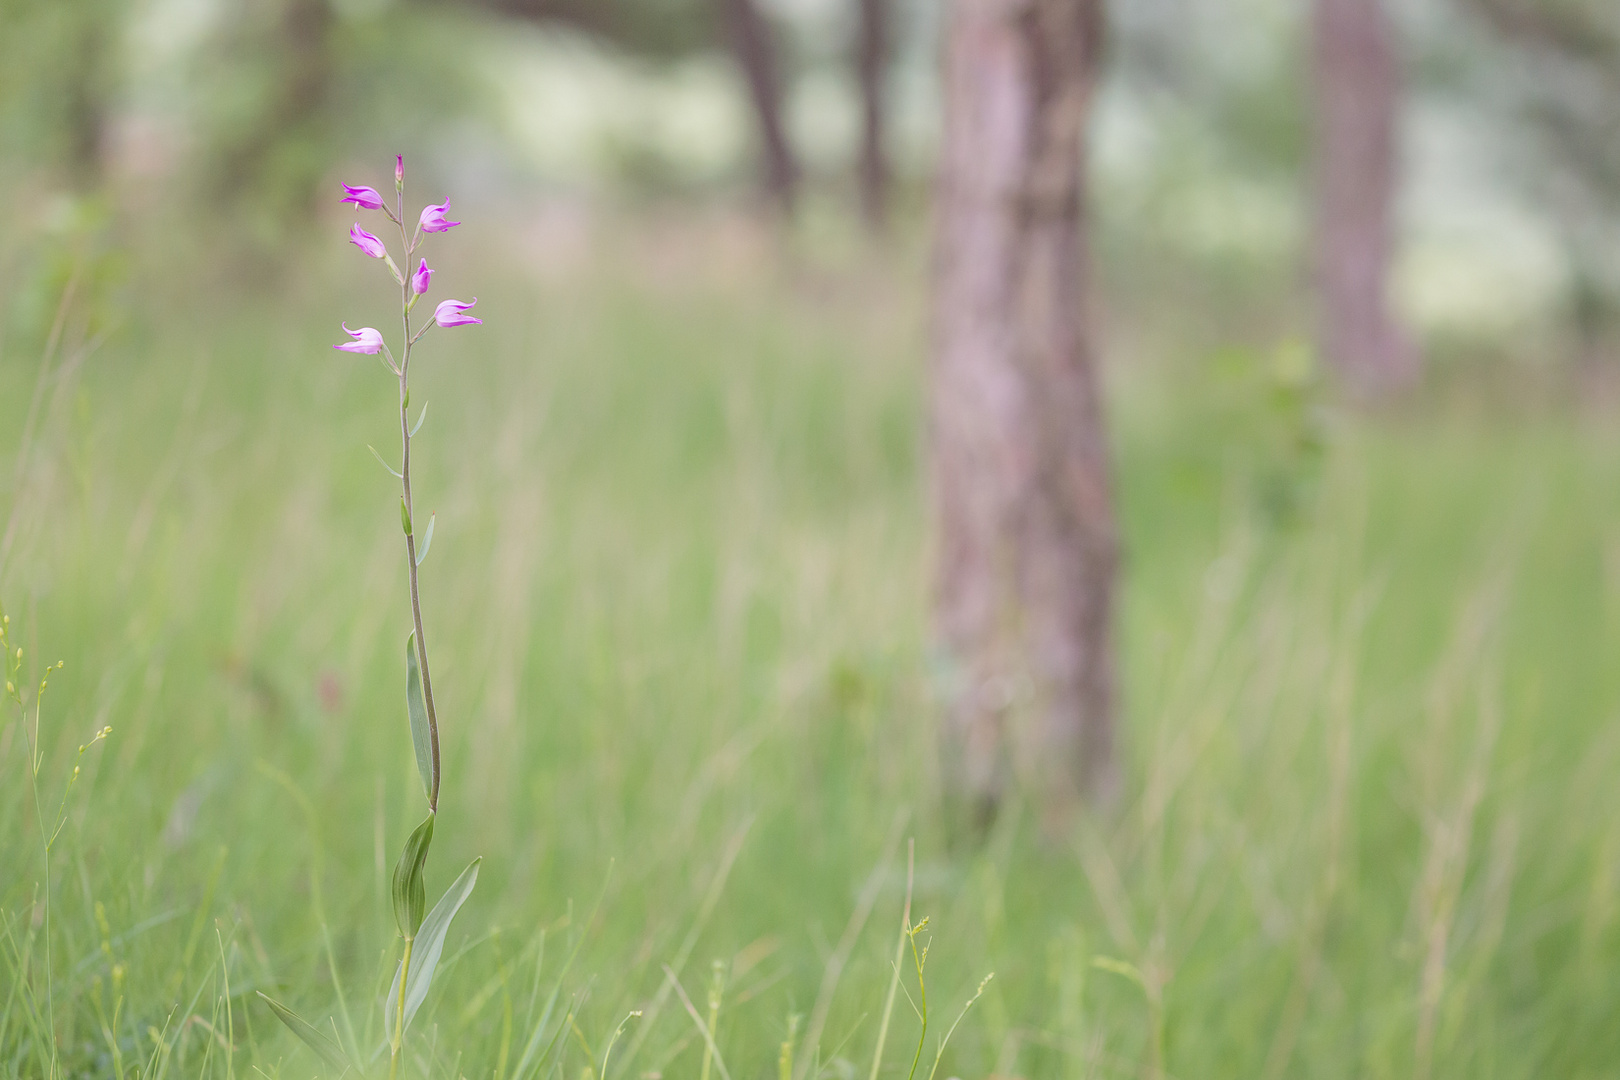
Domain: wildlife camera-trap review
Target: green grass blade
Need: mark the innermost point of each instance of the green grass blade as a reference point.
(946, 1041)
(697, 1020)
(323, 1045)
(533, 1054)
(899, 955)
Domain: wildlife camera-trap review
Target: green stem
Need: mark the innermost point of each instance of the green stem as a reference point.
(410, 510)
(399, 1013)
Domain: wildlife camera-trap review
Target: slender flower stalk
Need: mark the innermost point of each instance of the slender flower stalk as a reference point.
(423, 937)
(449, 313)
(405, 297)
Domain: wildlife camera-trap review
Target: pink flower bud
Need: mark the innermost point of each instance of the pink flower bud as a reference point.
(366, 242)
(449, 313)
(367, 340)
(432, 219)
(366, 198)
(421, 279)
(399, 170)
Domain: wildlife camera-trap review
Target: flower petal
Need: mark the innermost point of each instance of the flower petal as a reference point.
(450, 313)
(367, 339)
(365, 198)
(366, 242)
(433, 218)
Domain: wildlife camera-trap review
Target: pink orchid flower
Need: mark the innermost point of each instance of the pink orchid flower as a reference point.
(450, 313)
(421, 279)
(366, 242)
(365, 198)
(367, 339)
(432, 219)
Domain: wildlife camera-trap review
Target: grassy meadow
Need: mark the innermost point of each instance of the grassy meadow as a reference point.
(1369, 822)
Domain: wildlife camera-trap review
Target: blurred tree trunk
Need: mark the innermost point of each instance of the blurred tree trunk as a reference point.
(87, 94)
(308, 29)
(1357, 121)
(750, 36)
(282, 153)
(1028, 548)
(872, 48)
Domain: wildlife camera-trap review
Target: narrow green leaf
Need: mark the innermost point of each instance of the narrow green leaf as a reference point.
(409, 896)
(383, 463)
(420, 418)
(416, 707)
(428, 946)
(404, 515)
(324, 1046)
(427, 539)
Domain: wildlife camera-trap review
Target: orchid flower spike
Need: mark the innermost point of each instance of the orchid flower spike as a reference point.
(421, 279)
(367, 339)
(365, 198)
(366, 242)
(432, 219)
(450, 313)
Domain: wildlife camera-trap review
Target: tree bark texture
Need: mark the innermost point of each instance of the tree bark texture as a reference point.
(872, 49)
(1357, 130)
(1027, 540)
(756, 54)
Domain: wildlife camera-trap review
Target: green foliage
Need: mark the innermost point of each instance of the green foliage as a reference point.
(60, 65)
(408, 893)
(427, 542)
(1367, 805)
(428, 947)
(71, 283)
(1257, 427)
(282, 89)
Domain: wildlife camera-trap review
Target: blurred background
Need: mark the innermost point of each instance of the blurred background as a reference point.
(683, 594)
(572, 112)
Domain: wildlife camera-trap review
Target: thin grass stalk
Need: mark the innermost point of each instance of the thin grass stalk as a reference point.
(899, 955)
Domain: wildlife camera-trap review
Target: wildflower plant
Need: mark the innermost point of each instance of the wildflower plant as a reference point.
(422, 931)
